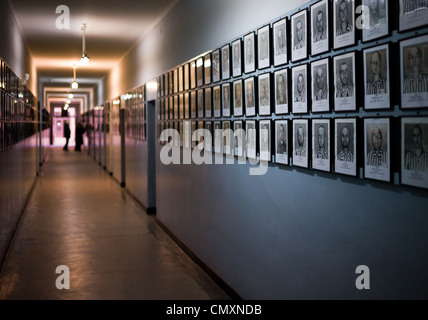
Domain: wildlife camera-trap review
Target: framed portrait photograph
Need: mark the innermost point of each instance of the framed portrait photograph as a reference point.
(263, 47)
(250, 97)
(265, 140)
(343, 23)
(208, 137)
(237, 98)
(181, 105)
(414, 72)
(299, 89)
(321, 144)
(216, 65)
(281, 141)
(251, 139)
(207, 68)
(186, 105)
(200, 72)
(377, 25)
(264, 94)
(176, 107)
(200, 144)
(181, 133)
(414, 151)
(177, 134)
(226, 100)
(218, 137)
(192, 74)
(225, 62)
(300, 142)
(249, 53)
(376, 78)
(186, 77)
(193, 133)
(227, 138)
(180, 79)
(320, 41)
(193, 105)
(345, 146)
(236, 58)
(171, 108)
(281, 91)
(412, 14)
(280, 42)
(239, 138)
(201, 105)
(217, 102)
(176, 80)
(166, 115)
(320, 86)
(299, 32)
(344, 82)
(208, 102)
(171, 82)
(377, 149)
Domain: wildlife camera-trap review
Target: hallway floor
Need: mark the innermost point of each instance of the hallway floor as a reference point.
(78, 216)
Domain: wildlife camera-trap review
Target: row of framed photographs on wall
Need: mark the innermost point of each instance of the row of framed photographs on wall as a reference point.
(313, 87)
(322, 144)
(331, 25)
(13, 132)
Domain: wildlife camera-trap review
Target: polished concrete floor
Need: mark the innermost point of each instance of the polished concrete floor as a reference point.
(79, 217)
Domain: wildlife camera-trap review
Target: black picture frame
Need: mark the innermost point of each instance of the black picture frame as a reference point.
(299, 35)
(236, 58)
(216, 65)
(345, 146)
(249, 52)
(414, 159)
(320, 27)
(300, 142)
(321, 144)
(238, 101)
(344, 33)
(280, 47)
(299, 90)
(250, 92)
(217, 101)
(264, 94)
(377, 89)
(263, 47)
(207, 68)
(344, 75)
(225, 62)
(377, 148)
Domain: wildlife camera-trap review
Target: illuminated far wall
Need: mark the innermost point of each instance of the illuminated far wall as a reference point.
(191, 28)
(13, 48)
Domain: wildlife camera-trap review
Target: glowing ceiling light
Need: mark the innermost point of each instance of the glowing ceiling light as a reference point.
(74, 85)
(85, 59)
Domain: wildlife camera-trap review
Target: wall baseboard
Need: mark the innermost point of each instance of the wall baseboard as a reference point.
(219, 281)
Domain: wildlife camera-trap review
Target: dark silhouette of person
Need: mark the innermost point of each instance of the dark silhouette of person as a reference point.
(67, 134)
(80, 130)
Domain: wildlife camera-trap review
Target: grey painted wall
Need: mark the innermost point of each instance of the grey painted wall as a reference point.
(293, 233)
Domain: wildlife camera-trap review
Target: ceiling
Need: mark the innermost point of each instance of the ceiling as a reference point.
(113, 28)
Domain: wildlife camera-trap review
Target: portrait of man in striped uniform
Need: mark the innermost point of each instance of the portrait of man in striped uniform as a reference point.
(416, 158)
(344, 85)
(377, 156)
(415, 80)
(376, 83)
(345, 153)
